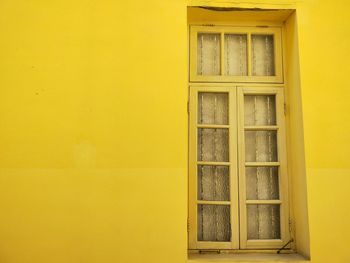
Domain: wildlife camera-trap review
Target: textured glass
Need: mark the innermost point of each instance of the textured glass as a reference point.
(213, 183)
(208, 54)
(259, 110)
(262, 183)
(213, 145)
(261, 146)
(235, 55)
(212, 108)
(263, 58)
(263, 222)
(214, 223)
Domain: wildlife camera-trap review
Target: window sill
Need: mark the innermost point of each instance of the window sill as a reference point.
(246, 257)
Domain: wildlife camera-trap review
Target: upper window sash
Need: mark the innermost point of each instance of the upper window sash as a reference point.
(235, 54)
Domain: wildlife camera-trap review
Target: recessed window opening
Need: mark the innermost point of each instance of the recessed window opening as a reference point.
(239, 181)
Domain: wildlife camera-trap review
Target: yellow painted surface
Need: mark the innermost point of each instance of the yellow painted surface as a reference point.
(93, 128)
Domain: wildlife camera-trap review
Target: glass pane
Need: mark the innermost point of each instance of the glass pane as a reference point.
(235, 55)
(262, 183)
(214, 223)
(263, 222)
(261, 146)
(213, 145)
(208, 54)
(212, 108)
(213, 183)
(259, 110)
(263, 58)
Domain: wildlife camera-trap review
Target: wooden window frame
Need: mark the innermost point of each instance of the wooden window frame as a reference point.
(193, 164)
(237, 165)
(278, 91)
(276, 31)
(237, 87)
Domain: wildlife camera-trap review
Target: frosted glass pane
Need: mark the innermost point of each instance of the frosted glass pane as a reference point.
(235, 55)
(263, 59)
(259, 110)
(213, 145)
(263, 222)
(208, 54)
(260, 146)
(212, 108)
(262, 183)
(213, 183)
(214, 223)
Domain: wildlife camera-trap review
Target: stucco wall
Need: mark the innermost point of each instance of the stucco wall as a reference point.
(93, 128)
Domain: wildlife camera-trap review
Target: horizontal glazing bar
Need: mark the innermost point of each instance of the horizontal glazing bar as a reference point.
(213, 163)
(213, 126)
(258, 202)
(261, 128)
(262, 164)
(203, 202)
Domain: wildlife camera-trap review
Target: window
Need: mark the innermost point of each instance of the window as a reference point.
(238, 183)
(235, 54)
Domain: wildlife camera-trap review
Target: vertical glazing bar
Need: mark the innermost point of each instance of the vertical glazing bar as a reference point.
(201, 48)
(240, 55)
(214, 60)
(227, 60)
(267, 57)
(222, 50)
(249, 54)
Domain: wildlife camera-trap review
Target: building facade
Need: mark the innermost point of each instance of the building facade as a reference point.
(94, 128)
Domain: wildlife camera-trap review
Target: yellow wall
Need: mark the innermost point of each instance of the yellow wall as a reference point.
(93, 128)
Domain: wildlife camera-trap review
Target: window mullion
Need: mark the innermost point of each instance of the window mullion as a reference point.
(241, 162)
(234, 194)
